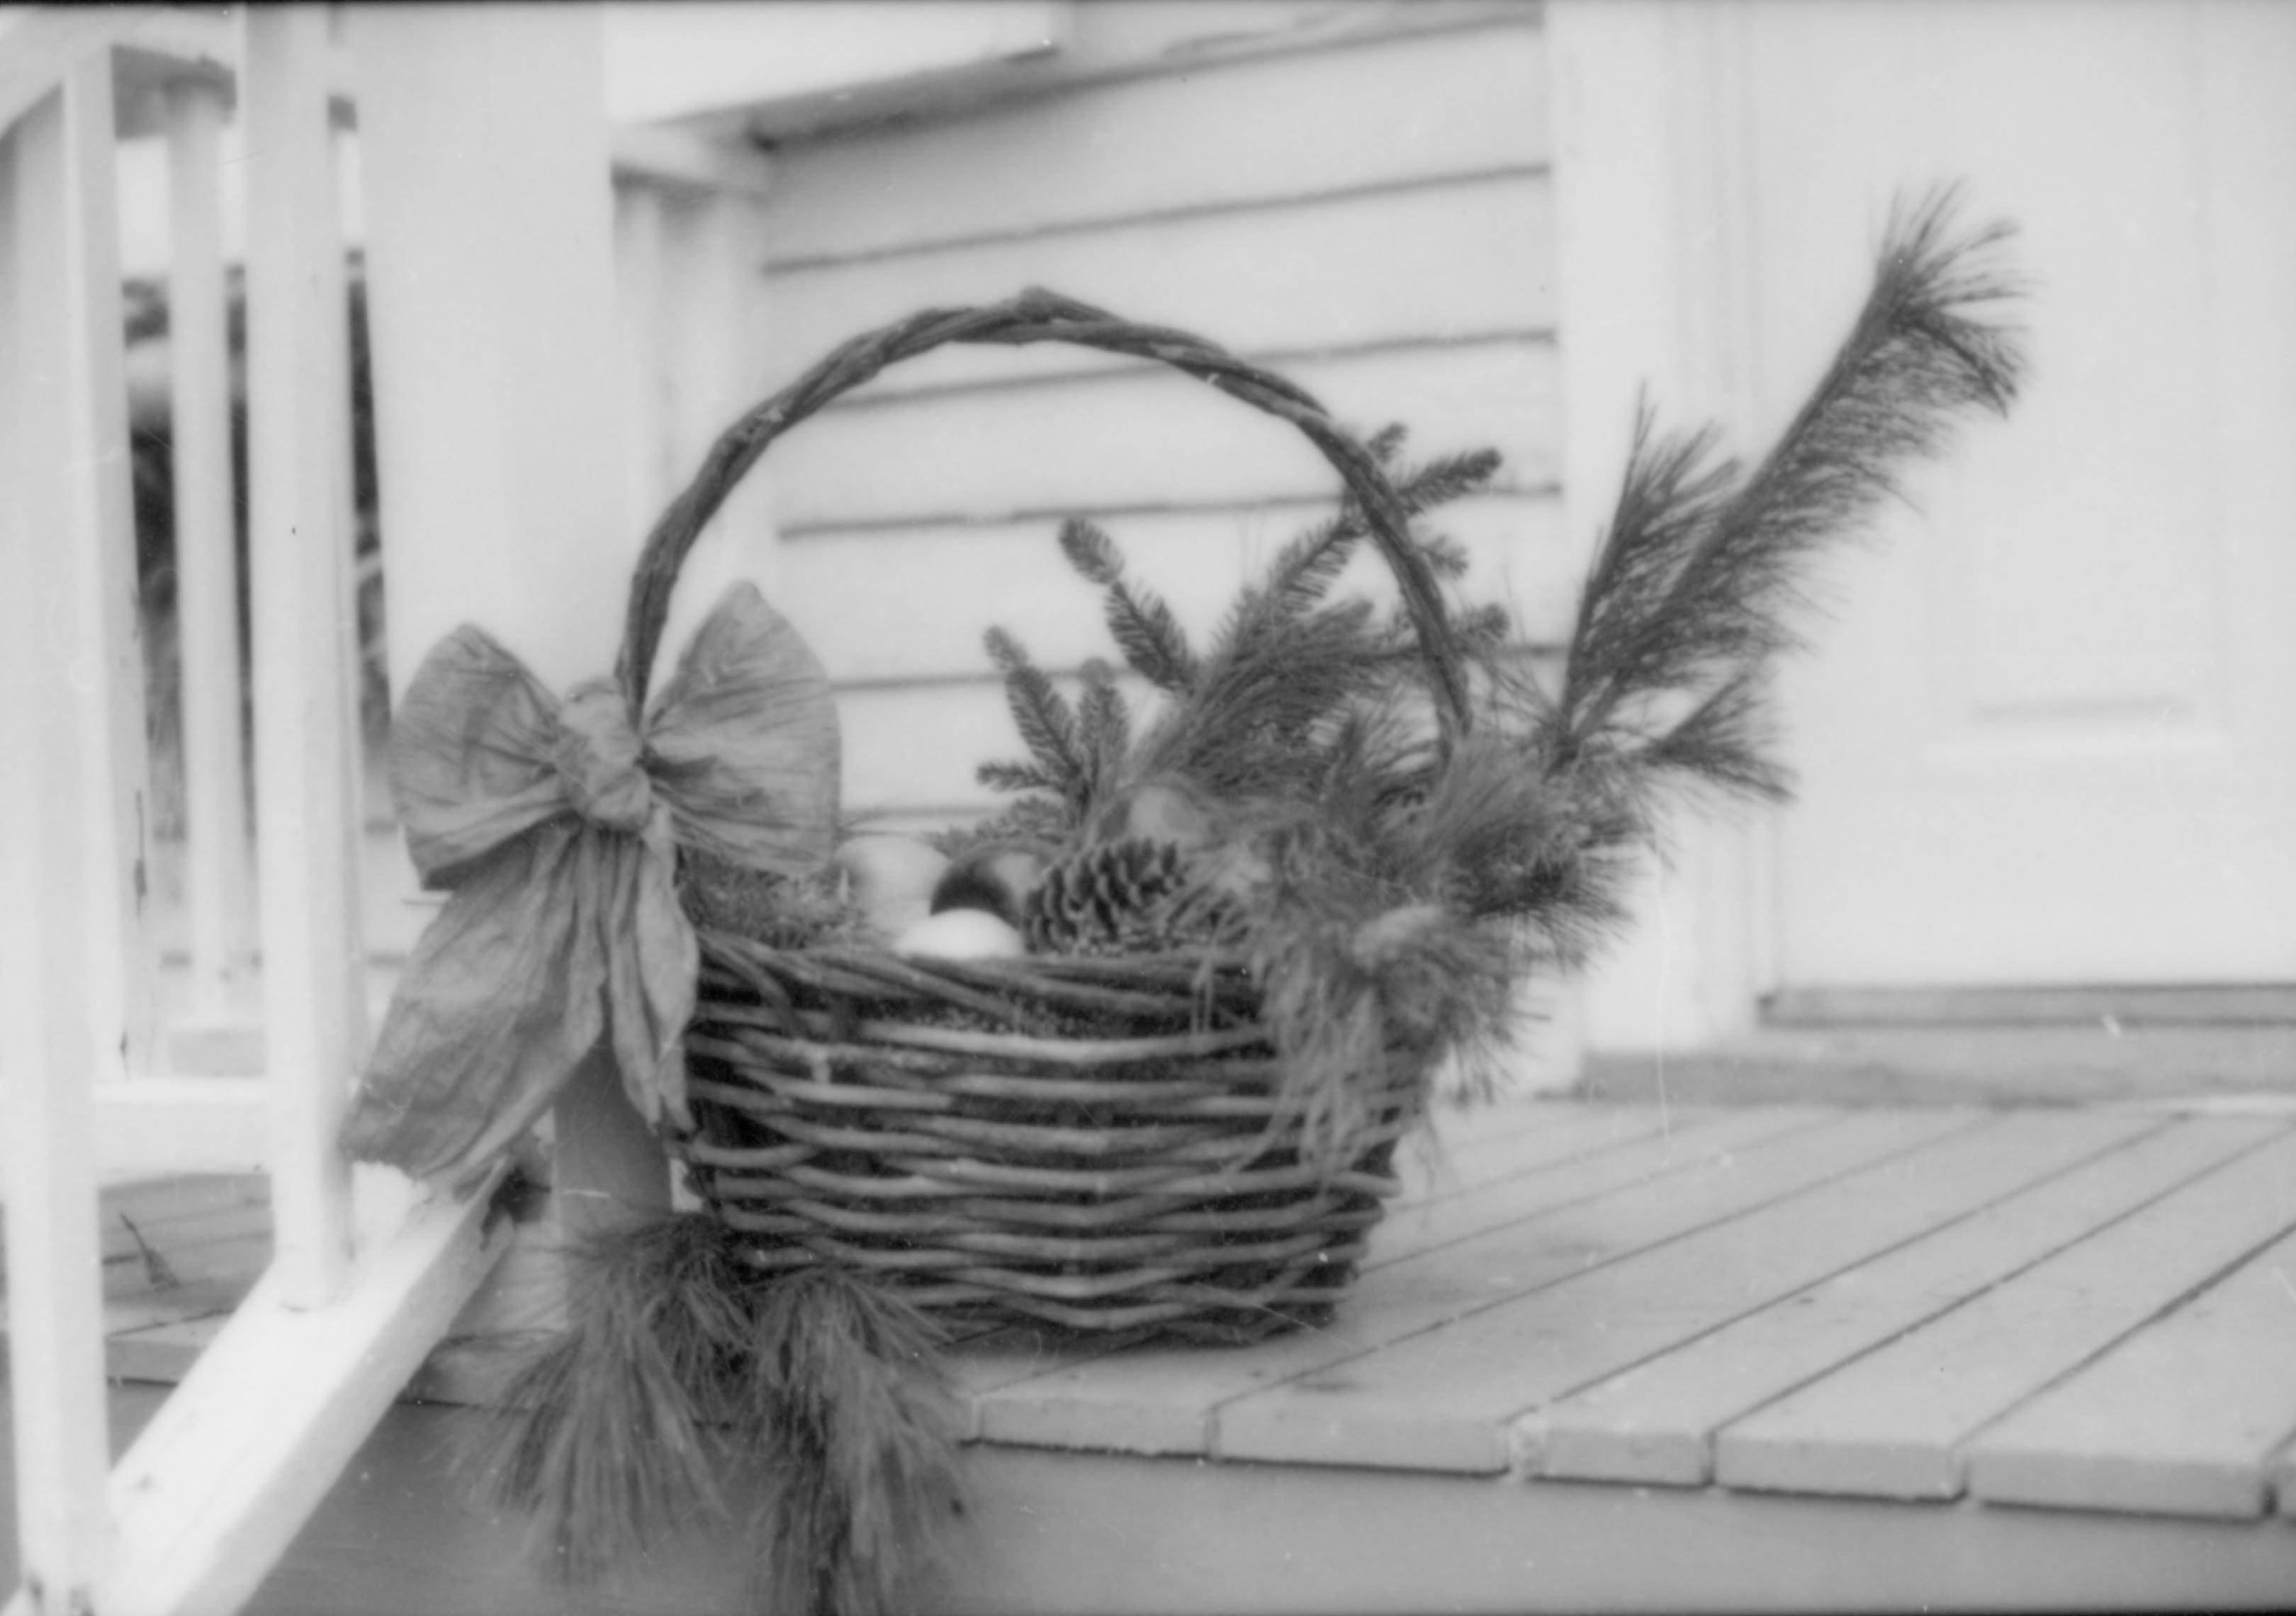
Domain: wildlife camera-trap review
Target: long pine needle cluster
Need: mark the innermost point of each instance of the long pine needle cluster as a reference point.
(1509, 844)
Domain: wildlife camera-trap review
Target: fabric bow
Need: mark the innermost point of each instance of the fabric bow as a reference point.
(555, 827)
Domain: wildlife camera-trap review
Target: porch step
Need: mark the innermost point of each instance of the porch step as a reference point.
(2048, 1063)
(2202, 1003)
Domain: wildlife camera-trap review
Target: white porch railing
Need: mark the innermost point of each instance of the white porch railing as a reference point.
(361, 1287)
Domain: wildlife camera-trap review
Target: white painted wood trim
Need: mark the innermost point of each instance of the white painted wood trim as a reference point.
(1651, 206)
(219, 1483)
(639, 317)
(490, 279)
(218, 890)
(48, 1061)
(108, 684)
(296, 556)
(147, 1126)
(678, 159)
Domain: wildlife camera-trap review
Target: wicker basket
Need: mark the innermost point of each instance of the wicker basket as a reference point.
(1091, 1143)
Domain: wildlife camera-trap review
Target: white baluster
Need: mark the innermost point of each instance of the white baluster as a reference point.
(218, 892)
(109, 684)
(313, 964)
(53, 837)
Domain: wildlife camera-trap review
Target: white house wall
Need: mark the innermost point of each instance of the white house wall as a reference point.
(1367, 211)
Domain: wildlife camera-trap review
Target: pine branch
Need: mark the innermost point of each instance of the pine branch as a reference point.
(1012, 776)
(1091, 552)
(1106, 727)
(1723, 743)
(1250, 728)
(1697, 583)
(1305, 569)
(1042, 715)
(1145, 628)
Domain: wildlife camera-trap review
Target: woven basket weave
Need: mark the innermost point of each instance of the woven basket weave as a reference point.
(1092, 1144)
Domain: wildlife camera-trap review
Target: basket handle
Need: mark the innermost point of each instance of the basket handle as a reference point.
(1036, 316)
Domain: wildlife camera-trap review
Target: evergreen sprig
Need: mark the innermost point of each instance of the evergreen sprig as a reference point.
(1700, 579)
(1104, 729)
(1248, 718)
(1143, 626)
(1047, 726)
(1699, 587)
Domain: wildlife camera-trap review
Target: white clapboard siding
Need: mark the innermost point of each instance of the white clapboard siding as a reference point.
(1148, 438)
(1375, 113)
(913, 603)
(1364, 209)
(914, 749)
(1325, 273)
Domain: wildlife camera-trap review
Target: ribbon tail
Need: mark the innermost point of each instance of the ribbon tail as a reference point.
(652, 960)
(501, 1001)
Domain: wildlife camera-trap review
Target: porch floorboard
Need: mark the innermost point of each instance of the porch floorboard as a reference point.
(1602, 1354)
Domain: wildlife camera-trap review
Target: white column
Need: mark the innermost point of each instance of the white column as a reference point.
(490, 284)
(1649, 226)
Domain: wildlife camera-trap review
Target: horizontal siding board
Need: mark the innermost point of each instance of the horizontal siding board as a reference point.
(1460, 258)
(1892, 1423)
(1515, 1234)
(914, 603)
(1399, 112)
(1656, 1422)
(921, 748)
(2181, 1418)
(1150, 439)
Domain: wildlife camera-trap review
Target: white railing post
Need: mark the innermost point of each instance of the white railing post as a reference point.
(313, 962)
(491, 294)
(217, 874)
(53, 833)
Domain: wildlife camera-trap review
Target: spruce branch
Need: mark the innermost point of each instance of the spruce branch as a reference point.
(1305, 569)
(1012, 776)
(1105, 725)
(1143, 626)
(1042, 715)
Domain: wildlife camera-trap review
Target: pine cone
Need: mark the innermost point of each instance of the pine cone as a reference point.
(1133, 895)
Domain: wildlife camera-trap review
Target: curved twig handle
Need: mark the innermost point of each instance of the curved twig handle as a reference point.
(1036, 316)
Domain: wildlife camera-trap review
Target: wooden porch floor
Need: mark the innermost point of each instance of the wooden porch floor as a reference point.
(1603, 1355)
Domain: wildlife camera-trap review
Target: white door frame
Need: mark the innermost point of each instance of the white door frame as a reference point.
(1653, 256)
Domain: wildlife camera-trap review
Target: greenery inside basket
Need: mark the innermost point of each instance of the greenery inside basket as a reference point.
(1132, 1057)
